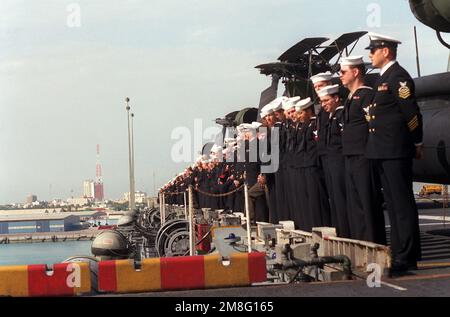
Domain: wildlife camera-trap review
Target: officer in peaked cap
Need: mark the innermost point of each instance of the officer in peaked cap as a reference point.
(363, 191)
(380, 41)
(395, 138)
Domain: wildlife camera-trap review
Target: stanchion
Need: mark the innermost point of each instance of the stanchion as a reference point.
(163, 210)
(185, 207)
(444, 202)
(191, 227)
(247, 215)
(160, 205)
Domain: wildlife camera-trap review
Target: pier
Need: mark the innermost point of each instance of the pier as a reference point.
(39, 237)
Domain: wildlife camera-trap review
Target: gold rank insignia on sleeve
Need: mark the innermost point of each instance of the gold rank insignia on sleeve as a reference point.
(403, 91)
(413, 124)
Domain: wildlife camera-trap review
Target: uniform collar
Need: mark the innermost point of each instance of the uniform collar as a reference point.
(332, 114)
(386, 67)
(350, 95)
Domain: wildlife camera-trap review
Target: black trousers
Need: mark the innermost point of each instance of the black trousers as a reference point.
(258, 202)
(318, 207)
(239, 201)
(396, 179)
(336, 174)
(323, 160)
(281, 192)
(365, 210)
(273, 215)
(298, 205)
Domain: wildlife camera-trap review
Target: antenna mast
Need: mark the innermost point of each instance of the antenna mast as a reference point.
(417, 52)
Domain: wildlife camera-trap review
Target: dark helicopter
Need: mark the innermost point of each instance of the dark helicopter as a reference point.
(310, 56)
(433, 13)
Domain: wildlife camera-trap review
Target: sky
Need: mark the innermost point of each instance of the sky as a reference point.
(66, 68)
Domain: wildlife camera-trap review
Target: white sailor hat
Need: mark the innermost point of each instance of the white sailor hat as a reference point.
(304, 104)
(321, 77)
(245, 127)
(229, 140)
(266, 110)
(215, 148)
(352, 60)
(378, 40)
(290, 102)
(256, 125)
(328, 90)
(277, 103)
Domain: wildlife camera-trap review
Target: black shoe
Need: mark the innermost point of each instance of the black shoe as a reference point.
(402, 269)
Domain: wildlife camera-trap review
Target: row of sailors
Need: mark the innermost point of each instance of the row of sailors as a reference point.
(337, 167)
(323, 178)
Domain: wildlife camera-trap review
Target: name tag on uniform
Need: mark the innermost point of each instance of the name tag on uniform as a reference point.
(356, 98)
(383, 87)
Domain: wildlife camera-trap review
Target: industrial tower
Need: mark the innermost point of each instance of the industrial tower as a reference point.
(98, 185)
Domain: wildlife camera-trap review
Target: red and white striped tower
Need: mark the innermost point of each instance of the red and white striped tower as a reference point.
(98, 185)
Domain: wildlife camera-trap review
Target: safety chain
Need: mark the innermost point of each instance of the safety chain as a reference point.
(219, 195)
(174, 193)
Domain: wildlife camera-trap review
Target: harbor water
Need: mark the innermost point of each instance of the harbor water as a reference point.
(46, 252)
(42, 253)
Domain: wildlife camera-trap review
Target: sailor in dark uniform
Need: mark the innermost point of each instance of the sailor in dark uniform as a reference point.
(329, 97)
(363, 197)
(268, 178)
(395, 138)
(319, 81)
(295, 178)
(283, 199)
(257, 191)
(316, 207)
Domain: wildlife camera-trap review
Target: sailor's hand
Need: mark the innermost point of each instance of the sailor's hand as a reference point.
(419, 152)
(262, 180)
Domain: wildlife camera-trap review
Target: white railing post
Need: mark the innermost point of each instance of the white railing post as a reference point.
(185, 207)
(163, 209)
(191, 225)
(247, 215)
